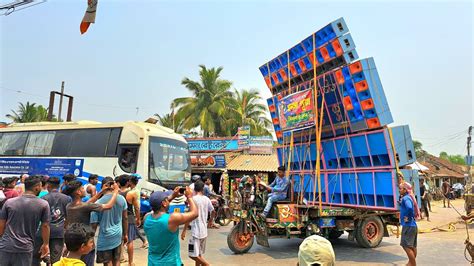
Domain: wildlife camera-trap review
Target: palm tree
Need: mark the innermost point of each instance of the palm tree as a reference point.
(247, 110)
(27, 113)
(168, 121)
(208, 106)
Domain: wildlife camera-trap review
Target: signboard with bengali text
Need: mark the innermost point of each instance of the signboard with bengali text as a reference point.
(208, 161)
(196, 145)
(296, 110)
(41, 166)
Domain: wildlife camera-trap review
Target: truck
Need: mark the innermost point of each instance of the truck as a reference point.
(344, 162)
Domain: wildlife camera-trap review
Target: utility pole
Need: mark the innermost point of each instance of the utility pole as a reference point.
(51, 104)
(468, 158)
(469, 194)
(61, 101)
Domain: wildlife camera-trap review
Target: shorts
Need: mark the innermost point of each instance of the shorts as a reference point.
(105, 256)
(89, 258)
(132, 232)
(409, 236)
(196, 247)
(15, 259)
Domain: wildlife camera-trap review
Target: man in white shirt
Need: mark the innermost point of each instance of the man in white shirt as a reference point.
(197, 240)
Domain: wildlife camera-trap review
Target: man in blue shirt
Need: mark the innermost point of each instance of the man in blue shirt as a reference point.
(278, 190)
(113, 227)
(409, 211)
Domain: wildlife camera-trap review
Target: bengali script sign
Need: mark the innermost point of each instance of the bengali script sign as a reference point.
(41, 166)
(212, 144)
(296, 110)
(208, 161)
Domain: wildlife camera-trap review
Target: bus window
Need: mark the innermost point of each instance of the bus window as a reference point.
(39, 143)
(13, 143)
(89, 142)
(168, 160)
(113, 141)
(128, 158)
(62, 143)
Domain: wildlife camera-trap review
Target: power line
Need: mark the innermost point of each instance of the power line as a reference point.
(81, 102)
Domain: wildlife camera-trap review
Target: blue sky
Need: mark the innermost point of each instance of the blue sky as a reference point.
(138, 52)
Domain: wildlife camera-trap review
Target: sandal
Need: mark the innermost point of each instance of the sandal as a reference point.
(214, 226)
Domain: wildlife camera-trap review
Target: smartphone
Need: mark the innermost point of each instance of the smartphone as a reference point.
(182, 190)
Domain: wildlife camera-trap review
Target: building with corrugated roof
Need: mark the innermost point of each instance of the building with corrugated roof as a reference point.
(226, 159)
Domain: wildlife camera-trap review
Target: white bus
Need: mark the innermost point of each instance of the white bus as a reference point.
(156, 153)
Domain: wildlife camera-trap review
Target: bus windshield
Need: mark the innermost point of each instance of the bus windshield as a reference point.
(168, 161)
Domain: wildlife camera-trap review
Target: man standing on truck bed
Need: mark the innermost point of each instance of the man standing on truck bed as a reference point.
(409, 211)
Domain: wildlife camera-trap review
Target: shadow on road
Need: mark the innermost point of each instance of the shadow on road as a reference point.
(282, 249)
(344, 250)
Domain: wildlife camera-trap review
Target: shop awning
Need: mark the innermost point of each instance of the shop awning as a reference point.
(254, 163)
(418, 166)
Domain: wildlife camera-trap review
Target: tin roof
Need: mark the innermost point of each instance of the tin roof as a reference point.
(254, 163)
(441, 168)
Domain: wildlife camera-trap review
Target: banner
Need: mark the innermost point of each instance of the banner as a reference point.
(296, 110)
(244, 136)
(41, 166)
(212, 144)
(261, 145)
(208, 161)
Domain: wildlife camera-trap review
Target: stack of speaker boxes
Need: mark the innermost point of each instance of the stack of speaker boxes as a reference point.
(358, 163)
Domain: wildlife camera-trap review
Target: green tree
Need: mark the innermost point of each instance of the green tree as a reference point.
(209, 105)
(444, 155)
(456, 159)
(29, 112)
(418, 148)
(247, 110)
(167, 120)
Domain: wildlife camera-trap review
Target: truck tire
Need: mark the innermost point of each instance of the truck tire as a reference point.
(334, 234)
(369, 232)
(239, 242)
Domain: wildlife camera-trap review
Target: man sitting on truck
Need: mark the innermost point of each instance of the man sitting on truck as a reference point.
(278, 190)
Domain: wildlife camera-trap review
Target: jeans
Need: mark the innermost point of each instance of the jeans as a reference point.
(55, 250)
(15, 259)
(270, 201)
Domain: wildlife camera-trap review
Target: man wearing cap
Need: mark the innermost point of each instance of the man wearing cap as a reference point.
(316, 250)
(162, 228)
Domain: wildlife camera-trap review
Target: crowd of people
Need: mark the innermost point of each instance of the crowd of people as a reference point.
(45, 220)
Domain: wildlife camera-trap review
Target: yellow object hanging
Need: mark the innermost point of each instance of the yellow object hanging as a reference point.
(392, 143)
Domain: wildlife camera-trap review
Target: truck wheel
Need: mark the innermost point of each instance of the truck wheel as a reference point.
(239, 242)
(334, 234)
(369, 232)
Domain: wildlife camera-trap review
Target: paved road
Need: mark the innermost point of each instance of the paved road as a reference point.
(438, 248)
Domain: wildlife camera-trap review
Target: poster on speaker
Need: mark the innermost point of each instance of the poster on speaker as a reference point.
(296, 110)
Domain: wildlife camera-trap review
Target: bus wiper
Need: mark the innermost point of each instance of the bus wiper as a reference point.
(152, 166)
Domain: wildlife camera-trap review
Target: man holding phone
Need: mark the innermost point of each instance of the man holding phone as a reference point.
(162, 228)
